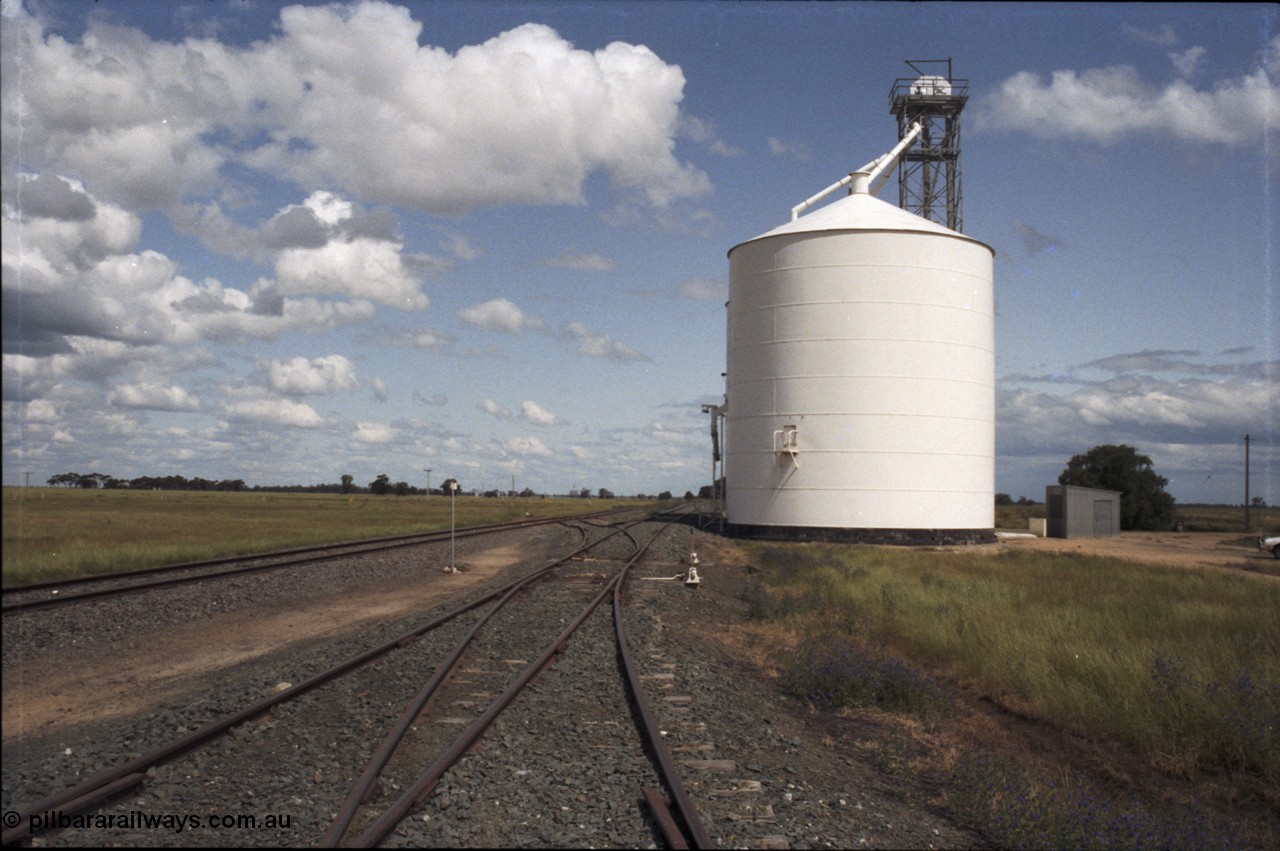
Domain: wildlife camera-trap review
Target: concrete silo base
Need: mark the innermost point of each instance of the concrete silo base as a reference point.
(832, 535)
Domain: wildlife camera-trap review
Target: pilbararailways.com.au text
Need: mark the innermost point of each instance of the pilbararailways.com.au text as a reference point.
(138, 820)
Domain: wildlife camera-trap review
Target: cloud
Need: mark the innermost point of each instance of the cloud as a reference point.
(376, 433)
(1159, 395)
(280, 412)
(416, 338)
(529, 446)
(492, 408)
(703, 132)
(1035, 242)
(50, 196)
(436, 400)
(358, 267)
(532, 412)
(570, 259)
(73, 277)
(601, 345)
(1184, 62)
(1105, 105)
(781, 148)
(321, 376)
(345, 96)
(702, 289)
(155, 397)
(458, 246)
(499, 315)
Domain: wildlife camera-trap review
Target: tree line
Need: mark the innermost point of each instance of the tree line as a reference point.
(380, 486)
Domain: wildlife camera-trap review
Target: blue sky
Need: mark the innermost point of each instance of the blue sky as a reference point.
(285, 243)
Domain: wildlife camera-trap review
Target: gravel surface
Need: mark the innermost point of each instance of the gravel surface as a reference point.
(563, 767)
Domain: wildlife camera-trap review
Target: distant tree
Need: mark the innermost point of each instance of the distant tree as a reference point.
(1144, 504)
(1022, 500)
(347, 481)
(1258, 502)
(706, 492)
(665, 495)
(380, 485)
(447, 484)
(1004, 499)
(688, 494)
(527, 492)
(605, 493)
(401, 488)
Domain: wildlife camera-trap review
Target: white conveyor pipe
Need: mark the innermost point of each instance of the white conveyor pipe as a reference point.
(880, 167)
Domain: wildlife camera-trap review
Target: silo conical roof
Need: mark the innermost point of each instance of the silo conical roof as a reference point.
(860, 211)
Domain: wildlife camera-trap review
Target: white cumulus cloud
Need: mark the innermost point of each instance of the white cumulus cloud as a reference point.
(303, 377)
(156, 397)
(373, 433)
(1107, 104)
(594, 345)
(500, 314)
(281, 412)
(531, 411)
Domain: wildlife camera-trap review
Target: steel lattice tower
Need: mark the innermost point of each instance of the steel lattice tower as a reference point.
(929, 170)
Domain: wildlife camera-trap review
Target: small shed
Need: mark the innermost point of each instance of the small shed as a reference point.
(1076, 512)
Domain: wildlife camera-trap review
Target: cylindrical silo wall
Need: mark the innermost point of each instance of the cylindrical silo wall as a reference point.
(878, 348)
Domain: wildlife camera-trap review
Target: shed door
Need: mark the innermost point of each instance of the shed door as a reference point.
(1102, 518)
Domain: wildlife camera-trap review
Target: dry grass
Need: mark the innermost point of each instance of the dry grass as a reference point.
(55, 532)
(1195, 518)
(1144, 672)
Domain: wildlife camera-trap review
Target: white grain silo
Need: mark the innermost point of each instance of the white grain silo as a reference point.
(860, 383)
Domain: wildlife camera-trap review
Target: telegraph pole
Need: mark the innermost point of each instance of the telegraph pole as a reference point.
(453, 525)
(1246, 483)
(428, 469)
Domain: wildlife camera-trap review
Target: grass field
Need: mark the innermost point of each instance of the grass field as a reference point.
(1178, 667)
(55, 532)
(1195, 518)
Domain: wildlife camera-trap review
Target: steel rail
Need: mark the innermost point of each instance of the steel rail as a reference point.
(361, 789)
(358, 550)
(424, 787)
(97, 788)
(424, 537)
(652, 732)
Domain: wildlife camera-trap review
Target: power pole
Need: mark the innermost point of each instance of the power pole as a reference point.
(1246, 483)
(428, 469)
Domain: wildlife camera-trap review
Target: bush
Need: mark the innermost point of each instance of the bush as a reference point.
(1144, 503)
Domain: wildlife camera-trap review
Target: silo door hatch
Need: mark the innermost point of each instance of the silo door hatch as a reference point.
(785, 443)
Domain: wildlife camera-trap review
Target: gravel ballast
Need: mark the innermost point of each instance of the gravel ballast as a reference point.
(562, 767)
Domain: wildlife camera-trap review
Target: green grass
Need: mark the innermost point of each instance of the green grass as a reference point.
(54, 532)
(1195, 518)
(1183, 665)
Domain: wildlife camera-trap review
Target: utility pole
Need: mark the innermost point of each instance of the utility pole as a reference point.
(453, 525)
(1246, 483)
(428, 469)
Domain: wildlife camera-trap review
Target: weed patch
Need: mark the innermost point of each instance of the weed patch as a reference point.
(831, 671)
(1018, 808)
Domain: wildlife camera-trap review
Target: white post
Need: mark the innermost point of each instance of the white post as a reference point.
(453, 547)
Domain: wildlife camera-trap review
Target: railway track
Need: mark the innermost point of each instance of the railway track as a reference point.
(482, 658)
(65, 592)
